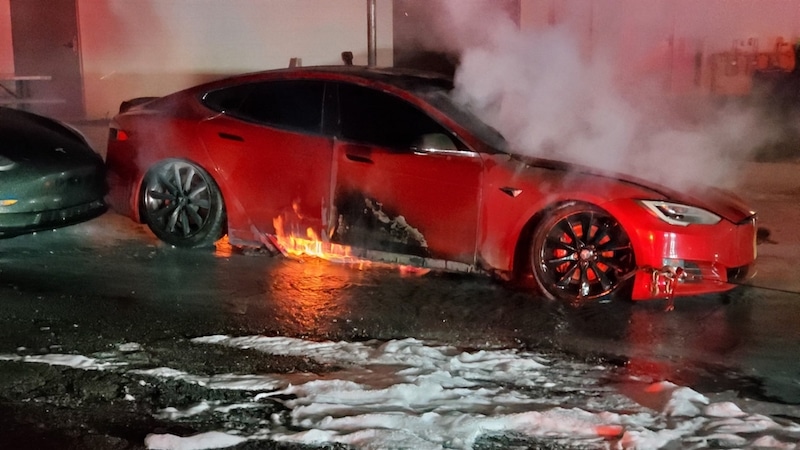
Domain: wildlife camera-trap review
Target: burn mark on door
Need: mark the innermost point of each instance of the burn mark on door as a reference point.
(365, 222)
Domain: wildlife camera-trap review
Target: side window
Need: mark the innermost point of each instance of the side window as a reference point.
(377, 118)
(227, 99)
(289, 104)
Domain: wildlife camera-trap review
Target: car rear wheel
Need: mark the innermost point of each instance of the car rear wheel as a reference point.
(182, 204)
(580, 252)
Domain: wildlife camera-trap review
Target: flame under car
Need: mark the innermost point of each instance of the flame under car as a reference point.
(381, 164)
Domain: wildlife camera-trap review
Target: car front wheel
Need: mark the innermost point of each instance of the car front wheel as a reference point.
(580, 252)
(182, 204)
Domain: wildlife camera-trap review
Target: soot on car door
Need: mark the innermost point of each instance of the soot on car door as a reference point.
(403, 183)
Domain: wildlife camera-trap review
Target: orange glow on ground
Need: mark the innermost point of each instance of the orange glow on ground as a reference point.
(609, 431)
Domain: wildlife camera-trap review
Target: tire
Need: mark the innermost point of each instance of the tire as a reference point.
(182, 205)
(579, 252)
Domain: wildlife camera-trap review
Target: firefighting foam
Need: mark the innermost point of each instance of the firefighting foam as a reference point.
(409, 393)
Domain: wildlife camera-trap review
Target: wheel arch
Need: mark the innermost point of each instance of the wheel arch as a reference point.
(521, 258)
(193, 224)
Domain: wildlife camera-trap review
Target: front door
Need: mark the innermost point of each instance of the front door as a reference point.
(403, 184)
(46, 46)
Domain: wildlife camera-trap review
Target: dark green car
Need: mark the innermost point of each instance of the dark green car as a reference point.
(50, 176)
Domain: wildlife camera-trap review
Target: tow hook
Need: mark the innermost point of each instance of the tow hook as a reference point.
(663, 282)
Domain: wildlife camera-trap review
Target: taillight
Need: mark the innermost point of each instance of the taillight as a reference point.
(115, 134)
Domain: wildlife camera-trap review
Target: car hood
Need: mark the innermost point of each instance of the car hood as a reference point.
(719, 201)
(28, 139)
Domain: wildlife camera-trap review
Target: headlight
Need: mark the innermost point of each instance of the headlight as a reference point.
(681, 215)
(6, 164)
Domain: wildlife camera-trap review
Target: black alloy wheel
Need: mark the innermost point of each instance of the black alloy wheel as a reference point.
(182, 204)
(579, 252)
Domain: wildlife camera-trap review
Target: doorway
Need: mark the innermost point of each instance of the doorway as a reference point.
(47, 53)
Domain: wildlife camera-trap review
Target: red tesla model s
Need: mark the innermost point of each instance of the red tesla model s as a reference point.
(383, 164)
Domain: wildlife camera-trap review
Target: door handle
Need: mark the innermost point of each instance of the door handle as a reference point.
(72, 45)
(358, 153)
(231, 137)
(359, 158)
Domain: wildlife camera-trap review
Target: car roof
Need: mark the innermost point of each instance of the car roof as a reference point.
(401, 77)
(406, 79)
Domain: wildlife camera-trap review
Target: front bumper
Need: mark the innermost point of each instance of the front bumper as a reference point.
(695, 260)
(15, 224)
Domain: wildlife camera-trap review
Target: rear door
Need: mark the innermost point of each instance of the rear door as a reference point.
(403, 183)
(274, 159)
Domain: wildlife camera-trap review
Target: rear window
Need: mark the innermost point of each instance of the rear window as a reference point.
(225, 99)
(295, 104)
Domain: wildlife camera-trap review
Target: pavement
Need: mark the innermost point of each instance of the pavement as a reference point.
(773, 190)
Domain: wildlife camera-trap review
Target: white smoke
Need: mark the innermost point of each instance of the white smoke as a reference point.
(534, 88)
(550, 99)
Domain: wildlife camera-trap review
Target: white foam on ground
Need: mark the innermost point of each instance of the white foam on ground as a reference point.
(411, 394)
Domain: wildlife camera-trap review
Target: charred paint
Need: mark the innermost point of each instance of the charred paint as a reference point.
(364, 222)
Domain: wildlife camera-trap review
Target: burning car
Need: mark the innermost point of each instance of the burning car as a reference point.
(381, 164)
(51, 177)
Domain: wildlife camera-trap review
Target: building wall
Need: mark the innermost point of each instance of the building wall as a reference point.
(6, 51)
(153, 47)
(706, 45)
(636, 23)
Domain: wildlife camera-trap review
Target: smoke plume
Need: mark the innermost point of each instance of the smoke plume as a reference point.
(551, 98)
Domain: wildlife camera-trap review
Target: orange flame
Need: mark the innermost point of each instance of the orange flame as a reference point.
(223, 247)
(289, 238)
(312, 245)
